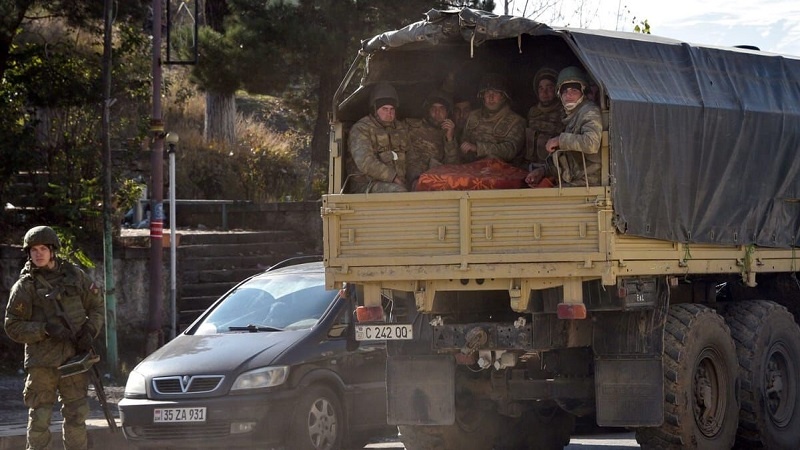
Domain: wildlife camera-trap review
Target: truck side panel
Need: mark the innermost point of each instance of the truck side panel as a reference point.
(464, 227)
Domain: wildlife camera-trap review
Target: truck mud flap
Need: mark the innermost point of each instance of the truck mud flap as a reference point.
(629, 392)
(421, 390)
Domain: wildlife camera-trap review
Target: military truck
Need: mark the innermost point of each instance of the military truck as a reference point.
(664, 300)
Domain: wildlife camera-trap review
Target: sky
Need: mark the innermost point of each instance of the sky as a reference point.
(771, 25)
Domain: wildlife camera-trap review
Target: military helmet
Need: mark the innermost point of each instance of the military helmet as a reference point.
(544, 73)
(383, 94)
(40, 235)
(494, 82)
(572, 74)
(438, 96)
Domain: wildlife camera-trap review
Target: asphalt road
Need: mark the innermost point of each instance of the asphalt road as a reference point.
(14, 438)
(600, 441)
(13, 416)
(606, 441)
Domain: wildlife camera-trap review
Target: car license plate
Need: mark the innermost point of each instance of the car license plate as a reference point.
(197, 414)
(389, 332)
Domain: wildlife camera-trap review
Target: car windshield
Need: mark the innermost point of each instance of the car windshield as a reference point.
(275, 302)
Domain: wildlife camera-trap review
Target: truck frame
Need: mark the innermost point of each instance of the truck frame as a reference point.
(664, 299)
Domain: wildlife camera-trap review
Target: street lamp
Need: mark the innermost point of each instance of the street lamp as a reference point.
(172, 139)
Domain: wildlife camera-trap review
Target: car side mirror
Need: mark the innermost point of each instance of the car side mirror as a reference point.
(338, 330)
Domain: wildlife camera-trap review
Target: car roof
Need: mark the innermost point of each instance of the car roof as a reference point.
(303, 268)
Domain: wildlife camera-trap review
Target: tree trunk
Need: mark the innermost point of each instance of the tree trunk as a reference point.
(328, 81)
(220, 118)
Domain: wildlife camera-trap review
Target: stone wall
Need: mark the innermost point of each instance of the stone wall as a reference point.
(131, 269)
(250, 216)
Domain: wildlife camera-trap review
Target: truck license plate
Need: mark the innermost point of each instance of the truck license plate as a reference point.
(161, 415)
(391, 332)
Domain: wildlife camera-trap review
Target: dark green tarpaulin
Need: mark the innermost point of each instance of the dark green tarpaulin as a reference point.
(705, 142)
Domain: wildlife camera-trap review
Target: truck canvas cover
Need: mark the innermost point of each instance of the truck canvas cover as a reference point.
(704, 141)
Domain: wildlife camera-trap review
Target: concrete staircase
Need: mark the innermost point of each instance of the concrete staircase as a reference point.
(209, 264)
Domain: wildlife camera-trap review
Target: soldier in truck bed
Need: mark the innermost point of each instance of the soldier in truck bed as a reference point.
(378, 144)
(544, 119)
(494, 131)
(462, 106)
(579, 143)
(433, 140)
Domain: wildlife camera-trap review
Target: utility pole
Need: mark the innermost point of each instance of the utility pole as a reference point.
(172, 142)
(155, 335)
(108, 229)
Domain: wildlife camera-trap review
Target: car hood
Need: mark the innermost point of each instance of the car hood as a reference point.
(218, 353)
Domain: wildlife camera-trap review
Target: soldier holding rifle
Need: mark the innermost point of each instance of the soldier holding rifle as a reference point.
(56, 311)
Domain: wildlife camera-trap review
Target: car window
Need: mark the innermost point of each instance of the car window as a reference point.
(276, 302)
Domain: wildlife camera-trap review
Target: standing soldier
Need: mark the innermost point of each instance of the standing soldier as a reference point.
(433, 141)
(494, 131)
(378, 144)
(579, 143)
(33, 318)
(544, 119)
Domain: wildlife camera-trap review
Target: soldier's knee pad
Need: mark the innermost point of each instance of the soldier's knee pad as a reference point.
(39, 419)
(75, 411)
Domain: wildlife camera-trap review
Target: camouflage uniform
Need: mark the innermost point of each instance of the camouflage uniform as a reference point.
(27, 315)
(544, 122)
(430, 148)
(581, 136)
(377, 155)
(497, 134)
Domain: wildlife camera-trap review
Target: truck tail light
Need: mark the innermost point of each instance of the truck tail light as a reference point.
(571, 311)
(369, 314)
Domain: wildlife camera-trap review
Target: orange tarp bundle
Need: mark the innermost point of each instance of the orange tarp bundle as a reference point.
(481, 174)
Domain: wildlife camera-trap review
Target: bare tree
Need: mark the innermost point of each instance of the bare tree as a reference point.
(575, 13)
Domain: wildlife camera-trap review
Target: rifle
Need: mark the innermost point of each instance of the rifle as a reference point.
(83, 363)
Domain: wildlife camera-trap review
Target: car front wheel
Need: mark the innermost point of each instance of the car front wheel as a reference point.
(317, 423)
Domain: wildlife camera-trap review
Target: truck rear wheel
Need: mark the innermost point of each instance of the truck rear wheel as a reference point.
(768, 346)
(700, 369)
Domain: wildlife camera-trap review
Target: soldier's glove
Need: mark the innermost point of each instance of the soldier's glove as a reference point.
(57, 331)
(85, 338)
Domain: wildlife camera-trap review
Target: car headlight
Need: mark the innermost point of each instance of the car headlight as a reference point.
(136, 386)
(261, 378)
